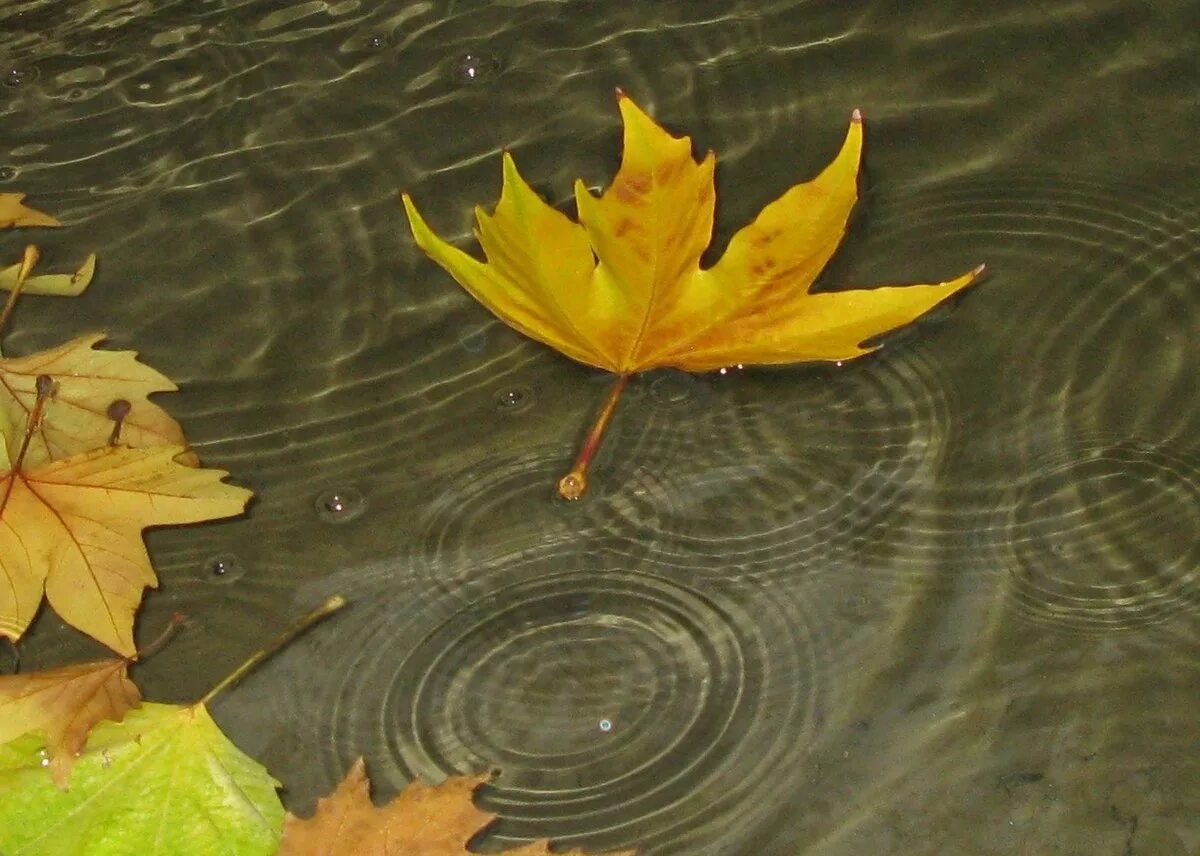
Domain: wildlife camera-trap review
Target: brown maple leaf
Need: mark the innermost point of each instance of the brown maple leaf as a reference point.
(423, 820)
(64, 704)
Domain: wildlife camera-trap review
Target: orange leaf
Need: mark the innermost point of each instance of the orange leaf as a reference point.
(72, 529)
(88, 380)
(64, 704)
(623, 289)
(13, 213)
(421, 821)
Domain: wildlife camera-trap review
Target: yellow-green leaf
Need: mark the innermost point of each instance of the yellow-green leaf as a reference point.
(165, 781)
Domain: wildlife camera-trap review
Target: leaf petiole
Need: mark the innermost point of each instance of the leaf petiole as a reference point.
(28, 260)
(326, 609)
(573, 484)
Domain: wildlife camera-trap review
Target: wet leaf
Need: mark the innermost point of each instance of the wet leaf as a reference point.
(421, 821)
(54, 284)
(64, 704)
(73, 530)
(88, 380)
(623, 289)
(165, 780)
(14, 213)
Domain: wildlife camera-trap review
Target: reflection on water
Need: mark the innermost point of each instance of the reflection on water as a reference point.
(941, 600)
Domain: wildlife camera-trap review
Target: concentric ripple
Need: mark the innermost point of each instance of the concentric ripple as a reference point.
(779, 467)
(621, 701)
(1104, 536)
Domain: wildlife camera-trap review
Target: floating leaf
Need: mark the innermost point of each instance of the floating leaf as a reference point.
(421, 821)
(63, 704)
(623, 290)
(88, 380)
(164, 781)
(14, 213)
(53, 284)
(73, 529)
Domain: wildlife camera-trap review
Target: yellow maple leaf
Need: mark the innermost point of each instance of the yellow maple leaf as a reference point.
(14, 213)
(623, 289)
(422, 820)
(64, 704)
(17, 276)
(53, 284)
(87, 382)
(72, 529)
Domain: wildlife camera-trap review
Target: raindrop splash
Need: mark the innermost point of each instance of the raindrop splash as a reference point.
(473, 68)
(223, 568)
(515, 399)
(340, 505)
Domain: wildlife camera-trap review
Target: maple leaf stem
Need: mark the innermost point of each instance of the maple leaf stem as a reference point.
(45, 388)
(117, 411)
(574, 483)
(159, 643)
(28, 260)
(326, 609)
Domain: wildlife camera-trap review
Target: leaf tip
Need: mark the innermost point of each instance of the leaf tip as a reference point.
(978, 270)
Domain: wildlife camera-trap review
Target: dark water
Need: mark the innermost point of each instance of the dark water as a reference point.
(941, 600)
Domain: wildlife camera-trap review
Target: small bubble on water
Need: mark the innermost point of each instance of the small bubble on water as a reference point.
(19, 75)
(377, 41)
(606, 725)
(474, 68)
(516, 399)
(223, 568)
(340, 505)
(8, 173)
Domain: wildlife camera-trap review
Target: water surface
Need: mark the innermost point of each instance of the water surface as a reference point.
(945, 599)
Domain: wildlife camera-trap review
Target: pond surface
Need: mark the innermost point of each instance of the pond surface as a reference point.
(944, 599)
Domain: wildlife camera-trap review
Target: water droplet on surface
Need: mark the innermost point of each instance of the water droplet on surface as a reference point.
(472, 68)
(20, 75)
(606, 725)
(340, 505)
(223, 568)
(8, 173)
(515, 399)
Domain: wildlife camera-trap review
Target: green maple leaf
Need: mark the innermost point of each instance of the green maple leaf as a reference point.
(165, 780)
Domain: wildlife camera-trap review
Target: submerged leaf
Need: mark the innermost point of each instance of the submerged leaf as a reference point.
(64, 704)
(623, 289)
(163, 781)
(73, 529)
(421, 821)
